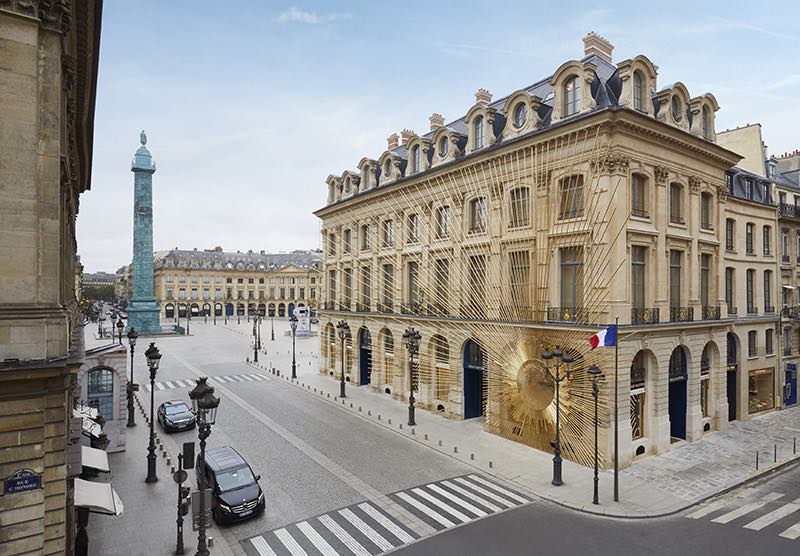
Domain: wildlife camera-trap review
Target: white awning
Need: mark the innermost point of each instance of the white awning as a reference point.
(786, 287)
(97, 497)
(94, 458)
(90, 428)
(85, 411)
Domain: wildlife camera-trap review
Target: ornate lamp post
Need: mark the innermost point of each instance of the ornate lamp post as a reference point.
(215, 313)
(258, 337)
(120, 326)
(101, 320)
(153, 360)
(205, 405)
(559, 366)
(205, 316)
(272, 322)
(178, 314)
(132, 336)
(344, 332)
(188, 317)
(293, 324)
(113, 319)
(255, 341)
(411, 337)
(594, 372)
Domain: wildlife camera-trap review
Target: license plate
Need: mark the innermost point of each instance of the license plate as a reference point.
(248, 512)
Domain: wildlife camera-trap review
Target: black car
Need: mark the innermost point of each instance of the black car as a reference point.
(175, 416)
(235, 490)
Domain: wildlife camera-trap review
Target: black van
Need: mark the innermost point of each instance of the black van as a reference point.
(236, 492)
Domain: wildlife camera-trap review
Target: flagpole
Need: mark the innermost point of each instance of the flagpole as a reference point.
(616, 411)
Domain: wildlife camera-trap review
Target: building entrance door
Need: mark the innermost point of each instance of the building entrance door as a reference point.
(790, 387)
(364, 357)
(678, 375)
(474, 400)
(732, 382)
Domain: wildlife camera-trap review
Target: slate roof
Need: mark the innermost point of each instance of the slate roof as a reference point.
(212, 259)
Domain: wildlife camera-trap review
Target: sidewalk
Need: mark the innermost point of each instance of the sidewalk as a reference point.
(656, 486)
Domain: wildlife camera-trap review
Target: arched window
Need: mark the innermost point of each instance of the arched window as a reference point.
(638, 395)
(519, 207)
(478, 132)
(415, 159)
(444, 143)
(100, 392)
(477, 215)
(706, 123)
(638, 91)
(677, 108)
(572, 96)
(677, 363)
(387, 168)
(520, 114)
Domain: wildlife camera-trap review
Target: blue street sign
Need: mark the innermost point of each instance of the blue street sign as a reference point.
(22, 481)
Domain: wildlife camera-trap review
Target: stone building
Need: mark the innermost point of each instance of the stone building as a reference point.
(220, 283)
(533, 221)
(48, 68)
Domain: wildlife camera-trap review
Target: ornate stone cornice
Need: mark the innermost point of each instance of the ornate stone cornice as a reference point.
(610, 164)
(53, 15)
(694, 184)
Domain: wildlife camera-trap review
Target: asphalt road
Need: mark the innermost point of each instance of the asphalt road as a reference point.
(749, 521)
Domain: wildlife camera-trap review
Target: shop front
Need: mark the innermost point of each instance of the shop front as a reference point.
(761, 390)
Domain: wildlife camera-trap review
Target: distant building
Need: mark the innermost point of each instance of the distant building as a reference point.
(99, 279)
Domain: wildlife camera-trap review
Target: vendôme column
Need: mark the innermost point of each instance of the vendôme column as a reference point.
(143, 309)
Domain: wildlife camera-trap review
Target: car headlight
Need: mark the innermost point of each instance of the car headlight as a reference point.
(261, 497)
(224, 506)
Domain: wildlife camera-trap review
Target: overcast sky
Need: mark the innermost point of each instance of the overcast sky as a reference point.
(248, 106)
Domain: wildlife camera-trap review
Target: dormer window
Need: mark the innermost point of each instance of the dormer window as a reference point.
(387, 167)
(572, 96)
(706, 123)
(443, 146)
(478, 132)
(415, 159)
(520, 114)
(676, 108)
(638, 91)
(347, 185)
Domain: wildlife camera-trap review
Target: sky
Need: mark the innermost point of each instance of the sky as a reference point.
(248, 106)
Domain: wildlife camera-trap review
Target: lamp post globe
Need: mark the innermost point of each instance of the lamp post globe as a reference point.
(153, 361)
(132, 336)
(293, 324)
(120, 326)
(204, 405)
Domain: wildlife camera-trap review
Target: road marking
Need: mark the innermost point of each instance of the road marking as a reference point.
(169, 385)
(485, 492)
(499, 489)
(466, 505)
(216, 379)
(792, 532)
(773, 516)
(436, 502)
(354, 546)
(289, 542)
(316, 539)
(146, 387)
(248, 378)
(373, 535)
(425, 509)
(159, 386)
(387, 523)
(746, 509)
(260, 544)
(472, 496)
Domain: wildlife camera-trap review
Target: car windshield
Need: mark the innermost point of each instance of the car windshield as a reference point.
(177, 408)
(231, 480)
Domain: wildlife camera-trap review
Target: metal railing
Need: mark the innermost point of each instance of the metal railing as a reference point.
(711, 312)
(413, 308)
(769, 308)
(785, 209)
(752, 310)
(644, 315)
(362, 307)
(732, 310)
(565, 314)
(681, 314)
(386, 307)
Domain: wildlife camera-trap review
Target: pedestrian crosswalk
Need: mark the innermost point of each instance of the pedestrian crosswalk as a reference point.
(365, 529)
(191, 383)
(754, 510)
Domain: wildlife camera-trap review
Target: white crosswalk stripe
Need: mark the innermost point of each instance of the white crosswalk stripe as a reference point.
(387, 524)
(260, 544)
(316, 539)
(770, 506)
(160, 386)
(247, 378)
(354, 546)
(792, 532)
(436, 502)
(289, 542)
(773, 516)
(169, 385)
(466, 505)
(485, 492)
(371, 533)
(746, 509)
(472, 496)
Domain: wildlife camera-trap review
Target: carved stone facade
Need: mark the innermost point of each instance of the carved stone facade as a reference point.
(49, 71)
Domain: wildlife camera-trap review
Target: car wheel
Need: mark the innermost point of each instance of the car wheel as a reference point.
(216, 516)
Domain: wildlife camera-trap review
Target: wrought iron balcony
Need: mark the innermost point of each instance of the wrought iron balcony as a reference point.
(644, 315)
(791, 312)
(641, 213)
(785, 209)
(413, 308)
(565, 314)
(329, 306)
(711, 312)
(785, 259)
(681, 314)
(752, 310)
(732, 310)
(344, 306)
(769, 308)
(386, 307)
(438, 309)
(362, 308)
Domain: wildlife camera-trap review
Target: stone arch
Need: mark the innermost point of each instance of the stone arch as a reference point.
(709, 386)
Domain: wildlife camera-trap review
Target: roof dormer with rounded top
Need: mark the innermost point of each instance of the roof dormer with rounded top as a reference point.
(480, 122)
(369, 173)
(334, 189)
(639, 78)
(703, 110)
(419, 154)
(571, 84)
(673, 106)
(391, 166)
(447, 145)
(522, 114)
(350, 182)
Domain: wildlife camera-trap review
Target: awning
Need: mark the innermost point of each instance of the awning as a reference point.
(94, 458)
(90, 428)
(82, 410)
(97, 497)
(788, 287)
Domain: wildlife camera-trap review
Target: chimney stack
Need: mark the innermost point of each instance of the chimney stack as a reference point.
(393, 141)
(407, 135)
(595, 44)
(483, 97)
(437, 121)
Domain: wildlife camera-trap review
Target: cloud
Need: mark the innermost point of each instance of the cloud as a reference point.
(298, 15)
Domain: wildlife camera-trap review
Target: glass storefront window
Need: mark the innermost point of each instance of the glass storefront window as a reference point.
(761, 390)
(704, 394)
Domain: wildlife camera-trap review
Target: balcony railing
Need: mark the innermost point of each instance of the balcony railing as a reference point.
(329, 306)
(711, 312)
(565, 314)
(681, 314)
(786, 259)
(362, 307)
(386, 307)
(752, 310)
(644, 315)
(344, 306)
(413, 308)
(785, 209)
(769, 308)
(732, 310)
(791, 312)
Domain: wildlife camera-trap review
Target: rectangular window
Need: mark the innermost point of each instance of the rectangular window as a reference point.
(366, 287)
(761, 390)
(272, 292)
(749, 242)
(302, 293)
(230, 293)
(388, 233)
(443, 222)
(250, 281)
(217, 293)
(571, 197)
(751, 277)
(283, 293)
(748, 186)
(751, 344)
(785, 245)
(169, 278)
(331, 245)
(477, 215)
(291, 293)
(705, 211)
(638, 195)
(675, 275)
(206, 279)
(730, 275)
(181, 293)
(364, 238)
(412, 228)
(347, 239)
(768, 350)
(388, 285)
(519, 203)
(331, 285)
(477, 285)
(313, 293)
(194, 293)
(217, 279)
(705, 264)
(170, 293)
(768, 308)
(229, 280)
(442, 284)
(260, 280)
(240, 280)
(206, 294)
(676, 203)
(348, 286)
(729, 234)
(194, 279)
(181, 279)
(787, 340)
(767, 234)
(282, 280)
(521, 295)
(638, 275)
(413, 286)
(571, 277)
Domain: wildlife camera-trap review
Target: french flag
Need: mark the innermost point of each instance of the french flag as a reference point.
(607, 337)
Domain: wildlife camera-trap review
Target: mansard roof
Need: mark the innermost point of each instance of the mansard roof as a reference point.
(215, 259)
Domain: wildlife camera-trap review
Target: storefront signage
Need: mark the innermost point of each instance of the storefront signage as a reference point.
(22, 481)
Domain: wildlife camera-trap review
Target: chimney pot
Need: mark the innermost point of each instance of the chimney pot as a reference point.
(483, 96)
(595, 44)
(407, 135)
(437, 121)
(393, 141)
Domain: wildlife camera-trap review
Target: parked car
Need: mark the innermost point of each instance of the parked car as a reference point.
(175, 415)
(235, 490)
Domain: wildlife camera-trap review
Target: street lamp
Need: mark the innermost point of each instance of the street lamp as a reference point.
(272, 322)
(411, 338)
(153, 360)
(258, 338)
(594, 372)
(100, 326)
(188, 318)
(205, 316)
(204, 405)
(132, 336)
(113, 320)
(120, 326)
(293, 324)
(560, 362)
(215, 314)
(255, 341)
(344, 332)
